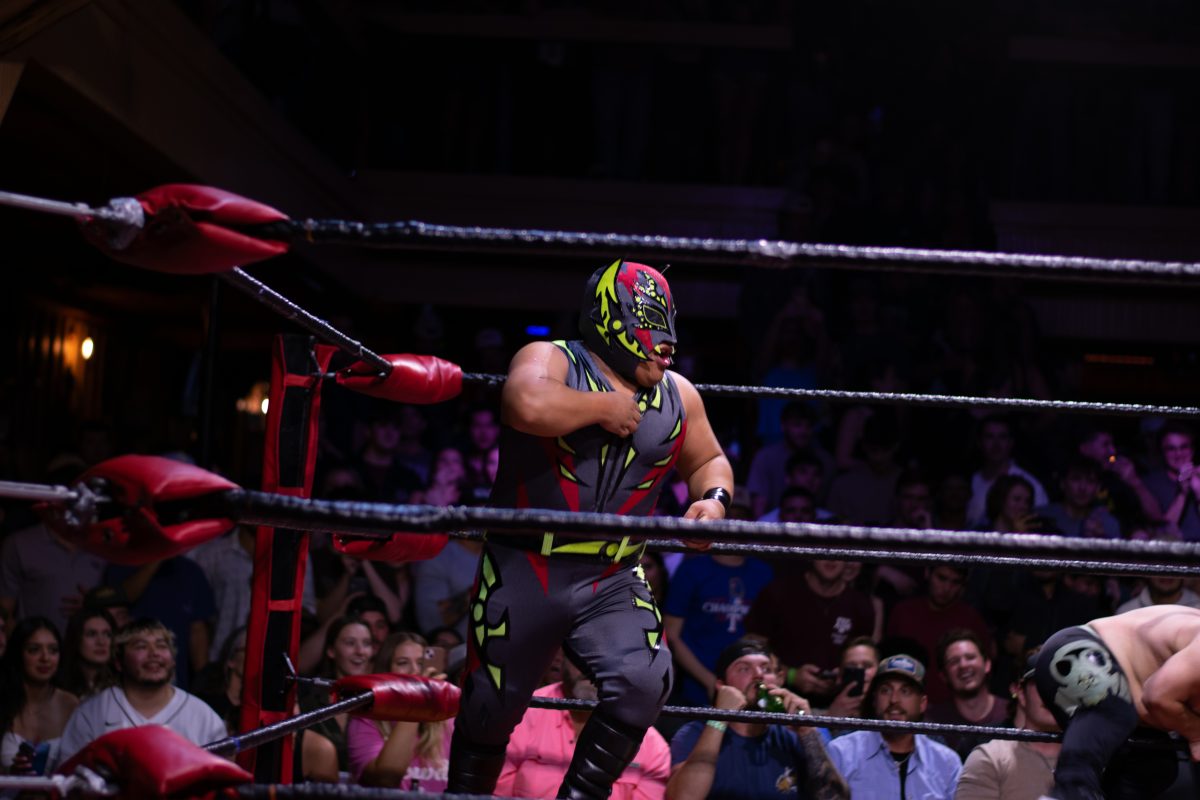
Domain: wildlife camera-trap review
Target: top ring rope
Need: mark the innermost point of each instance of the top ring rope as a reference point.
(181, 207)
(417, 235)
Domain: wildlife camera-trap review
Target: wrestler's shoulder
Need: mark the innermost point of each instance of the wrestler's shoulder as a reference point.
(1158, 622)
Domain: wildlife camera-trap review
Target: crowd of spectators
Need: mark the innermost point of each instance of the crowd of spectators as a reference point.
(90, 642)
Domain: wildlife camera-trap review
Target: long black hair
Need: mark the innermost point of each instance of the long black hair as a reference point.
(70, 670)
(12, 668)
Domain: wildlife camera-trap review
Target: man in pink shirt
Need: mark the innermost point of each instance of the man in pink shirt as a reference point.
(542, 744)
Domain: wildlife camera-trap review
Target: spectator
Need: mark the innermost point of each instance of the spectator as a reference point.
(654, 571)
(33, 710)
(442, 586)
(705, 613)
(483, 431)
(996, 446)
(1121, 488)
(912, 508)
(314, 758)
(446, 484)
(810, 643)
(804, 470)
(410, 451)
(409, 755)
(384, 477)
(739, 760)
(963, 660)
(925, 619)
(1003, 768)
(87, 659)
(950, 507)
(767, 470)
(372, 611)
(543, 743)
(1044, 604)
(221, 683)
(1080, 513)
(797, 505)
(176, 592)
(113, 600)
(228, 566)
(863, 494)
(1162, 590)
(348, 648)
(863, 579)
(145, 658)
(795, 352)
(860, 659)
(1010, 506)
(44, 575)
(1176, 487)
(899, 763)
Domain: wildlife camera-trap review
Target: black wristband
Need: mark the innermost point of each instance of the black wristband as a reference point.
(719, 494)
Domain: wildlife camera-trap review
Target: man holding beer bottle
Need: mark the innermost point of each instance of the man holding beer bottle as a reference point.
(730, 761)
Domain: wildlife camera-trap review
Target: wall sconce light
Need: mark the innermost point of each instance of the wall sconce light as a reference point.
(87, 348)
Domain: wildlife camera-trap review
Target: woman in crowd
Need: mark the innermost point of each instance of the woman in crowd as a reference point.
(33, 710)
(447, 480)
(411, 755)
(1010, 505)
(348, 650)
(87, 653)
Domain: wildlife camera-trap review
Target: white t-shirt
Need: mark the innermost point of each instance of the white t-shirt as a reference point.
(1142, 600)
(109, 710)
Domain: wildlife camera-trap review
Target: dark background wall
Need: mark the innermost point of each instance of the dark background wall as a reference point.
(1053, 127)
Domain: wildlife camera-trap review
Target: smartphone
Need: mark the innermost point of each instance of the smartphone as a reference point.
(855, 677)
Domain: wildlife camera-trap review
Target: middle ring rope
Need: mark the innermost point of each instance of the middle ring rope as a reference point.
(369, 519)
(329, 334)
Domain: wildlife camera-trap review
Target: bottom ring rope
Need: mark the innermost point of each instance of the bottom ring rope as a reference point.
(271, 791)
(254, 738)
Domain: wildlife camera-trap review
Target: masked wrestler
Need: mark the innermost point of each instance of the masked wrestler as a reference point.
(591, 425)
(1102, 681)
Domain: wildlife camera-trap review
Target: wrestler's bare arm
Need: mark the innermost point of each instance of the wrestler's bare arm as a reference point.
(536, 399)
(702, 462)
(1171, 696)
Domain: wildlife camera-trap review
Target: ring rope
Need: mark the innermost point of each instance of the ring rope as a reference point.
(82, 782)
(251, 286)
(382, 520)
(329, 334)
(344, 791)
(373, 519)
(858, 723)
(232, 745)
(911, 398)
(1107, 568)
(414, 234)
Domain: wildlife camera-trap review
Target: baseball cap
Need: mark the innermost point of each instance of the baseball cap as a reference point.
(903, 666)
(739, 649)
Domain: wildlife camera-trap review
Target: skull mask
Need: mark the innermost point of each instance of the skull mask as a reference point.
(1086, 673)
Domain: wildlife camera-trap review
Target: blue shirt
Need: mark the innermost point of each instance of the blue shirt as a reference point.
(749, 768)
(176, 596)
(867, 765)
(713, 601)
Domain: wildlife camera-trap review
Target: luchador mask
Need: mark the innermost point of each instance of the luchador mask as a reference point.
(628, 314)
(1086, 674)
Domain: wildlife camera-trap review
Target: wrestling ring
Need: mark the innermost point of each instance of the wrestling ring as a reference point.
(134, 509)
